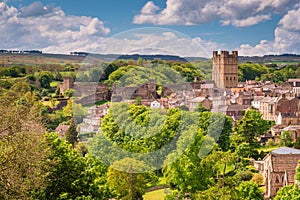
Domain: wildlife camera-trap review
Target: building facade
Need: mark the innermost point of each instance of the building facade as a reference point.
(225, 69)
(278, 169)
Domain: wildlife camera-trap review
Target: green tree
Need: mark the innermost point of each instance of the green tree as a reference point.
(71, 176)
(69, 92)
(251, 126)
(250, 191)
(57, 91)
(22, 148)
(126, 177)
(72, 109)
(72, 134)
(290, 192)
(200, 108)
(286, 139)
(138, 101)
(297, 143)
(270, 143)
(45, 78)
(95, 74)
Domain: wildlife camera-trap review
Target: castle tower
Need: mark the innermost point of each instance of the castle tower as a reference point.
(225, 69)
(67, 84)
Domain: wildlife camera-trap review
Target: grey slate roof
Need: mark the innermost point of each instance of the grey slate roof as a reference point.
(285, 150)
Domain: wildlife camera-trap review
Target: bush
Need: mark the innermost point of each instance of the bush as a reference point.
(270, 143)
(258, 179)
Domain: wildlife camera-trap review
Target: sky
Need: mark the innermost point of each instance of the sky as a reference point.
(177, 27)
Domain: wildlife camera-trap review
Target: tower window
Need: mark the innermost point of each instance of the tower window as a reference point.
(233, 78)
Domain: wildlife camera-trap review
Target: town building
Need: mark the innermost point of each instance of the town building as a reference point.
(278, 169)
(146, 91)
(206, 102)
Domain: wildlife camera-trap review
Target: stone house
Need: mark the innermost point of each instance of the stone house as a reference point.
(245, 99)
(88, 128)
(205, 101)
(92, 120)
(61, 130)
(145, 91)
(283, 110)
(295, 83)
(278, 169)
(256, 102)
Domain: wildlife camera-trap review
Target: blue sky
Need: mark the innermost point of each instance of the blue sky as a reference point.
(255, 27)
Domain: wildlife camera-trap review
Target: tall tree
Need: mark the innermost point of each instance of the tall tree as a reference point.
(129, 178)
(22, 148)
(251, 126)
(72, 134)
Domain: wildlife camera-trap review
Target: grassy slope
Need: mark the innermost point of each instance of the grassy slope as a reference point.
(155, 195)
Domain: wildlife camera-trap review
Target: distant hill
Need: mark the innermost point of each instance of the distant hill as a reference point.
(270, 58)
(7, 59)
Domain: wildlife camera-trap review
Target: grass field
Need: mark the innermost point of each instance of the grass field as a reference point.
(155, 195)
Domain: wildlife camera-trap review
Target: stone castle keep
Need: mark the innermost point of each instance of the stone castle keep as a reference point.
(225, 69)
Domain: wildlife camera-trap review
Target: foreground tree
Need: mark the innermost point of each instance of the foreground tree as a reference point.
(128, 177)
(250, 191)
(71, 176)
(290, 192)
(22, 150)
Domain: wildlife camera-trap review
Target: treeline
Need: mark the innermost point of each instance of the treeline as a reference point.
(271, 72)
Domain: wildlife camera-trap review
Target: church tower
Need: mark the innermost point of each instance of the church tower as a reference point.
(225, 69)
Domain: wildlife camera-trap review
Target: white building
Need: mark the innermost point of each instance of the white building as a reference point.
(155, 104)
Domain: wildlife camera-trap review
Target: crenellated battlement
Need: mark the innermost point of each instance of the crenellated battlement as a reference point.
(225, 54)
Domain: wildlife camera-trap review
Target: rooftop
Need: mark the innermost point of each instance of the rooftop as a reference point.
(285, 150)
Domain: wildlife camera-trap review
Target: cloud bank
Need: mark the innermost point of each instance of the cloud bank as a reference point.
(239, 13)
(286, 37)
(50, 29)
(46, 27)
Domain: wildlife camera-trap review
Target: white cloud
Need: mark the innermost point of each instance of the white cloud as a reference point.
(157, 41)
(150, 8)
(234, 12)
(287, 38)
(50, 29)
(291, 21)
(247, 22)
(46, 27)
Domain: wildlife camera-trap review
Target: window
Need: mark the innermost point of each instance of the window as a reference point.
(277, 179)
